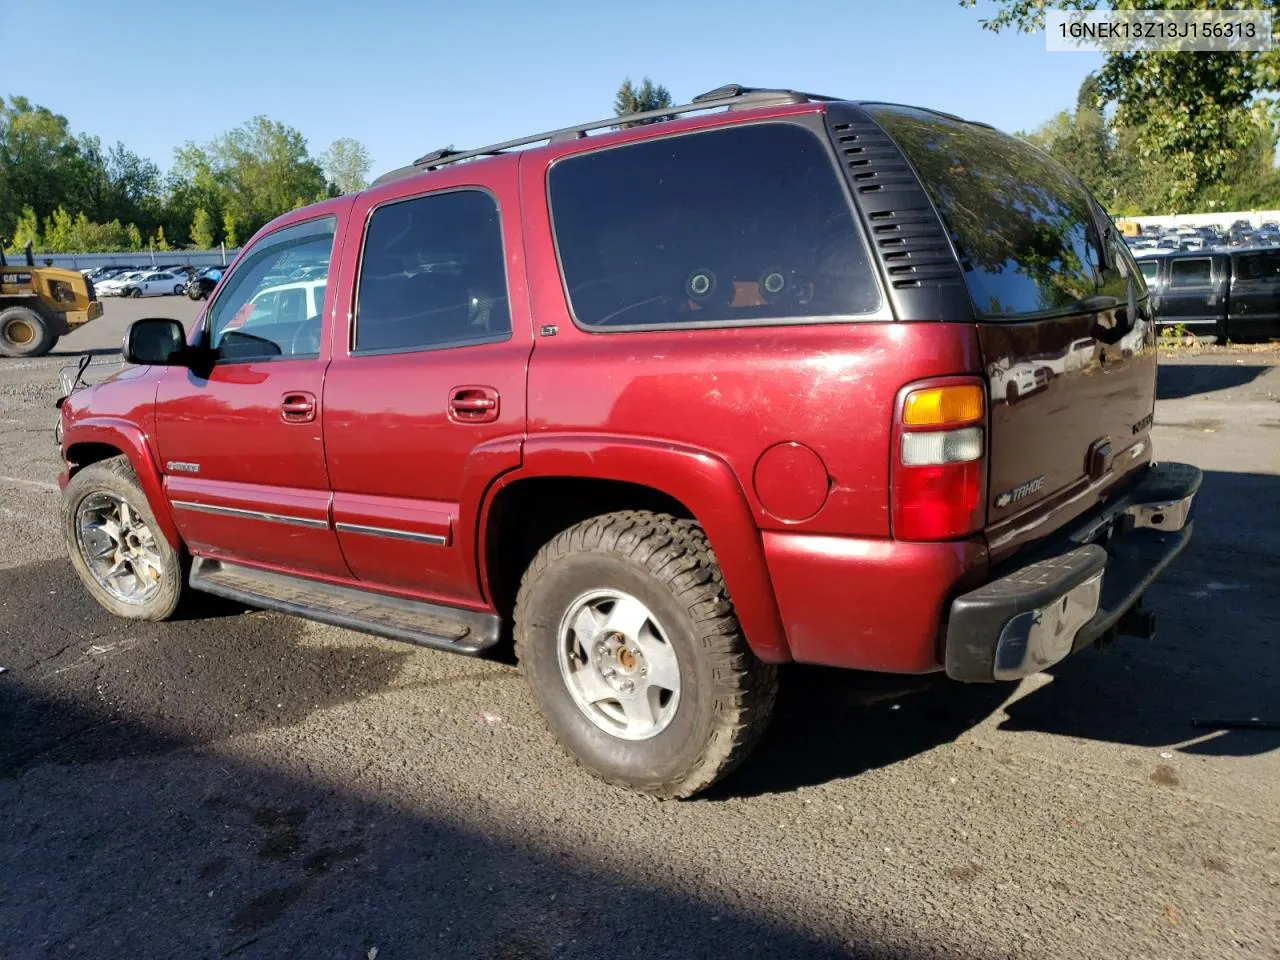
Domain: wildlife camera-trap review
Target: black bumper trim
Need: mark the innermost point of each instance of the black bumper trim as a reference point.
(1104, 540)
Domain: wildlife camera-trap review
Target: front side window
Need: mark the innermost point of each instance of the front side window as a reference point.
(1190, 273)
(744, 225)
(1023, 226)
(433, 275)
(263, 312)
(1151, 271)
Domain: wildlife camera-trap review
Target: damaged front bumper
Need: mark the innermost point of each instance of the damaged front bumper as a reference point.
(1078, 587)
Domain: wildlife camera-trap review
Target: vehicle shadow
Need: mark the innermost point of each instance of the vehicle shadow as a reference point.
(141, 833)
(1175, 381)
(1215, 660)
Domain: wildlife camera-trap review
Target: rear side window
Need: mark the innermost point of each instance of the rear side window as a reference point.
(1190, 273)
(1258, 266)
(728, 227)
(1022, 225)
(1151, 271)
(433, 275)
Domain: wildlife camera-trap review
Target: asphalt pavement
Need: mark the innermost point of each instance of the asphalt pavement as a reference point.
(246, 784)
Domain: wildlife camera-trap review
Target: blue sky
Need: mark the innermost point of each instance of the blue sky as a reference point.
(407, 77)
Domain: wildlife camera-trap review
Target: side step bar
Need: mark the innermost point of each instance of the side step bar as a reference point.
(428, 624)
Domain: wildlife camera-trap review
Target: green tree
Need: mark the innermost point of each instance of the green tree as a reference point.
(346, 165)
(255, 172)
(1194, 111)
(133, 237)
(58, 232)
(229, 235)
(27, 230)
(631, 99)
(161, 242)
(201, 230)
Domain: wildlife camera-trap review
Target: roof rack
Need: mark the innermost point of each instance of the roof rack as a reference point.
(731, 95)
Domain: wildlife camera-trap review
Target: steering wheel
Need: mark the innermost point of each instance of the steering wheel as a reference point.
(306, 339)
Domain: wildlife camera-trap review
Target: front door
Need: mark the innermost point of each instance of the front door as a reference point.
(240, 443)
(1190, 295)
(425, 401)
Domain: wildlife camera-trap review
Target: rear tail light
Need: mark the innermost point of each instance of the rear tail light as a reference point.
(939, 470)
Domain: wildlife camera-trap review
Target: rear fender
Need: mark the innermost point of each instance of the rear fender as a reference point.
(132, 442)
(704, 483)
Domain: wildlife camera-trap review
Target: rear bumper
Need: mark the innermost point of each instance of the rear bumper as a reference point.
(1075, 588)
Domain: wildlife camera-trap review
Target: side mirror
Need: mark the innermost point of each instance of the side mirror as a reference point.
(157, 342)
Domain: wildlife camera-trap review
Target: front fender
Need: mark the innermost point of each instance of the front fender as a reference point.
(705, 484)
(129, 439)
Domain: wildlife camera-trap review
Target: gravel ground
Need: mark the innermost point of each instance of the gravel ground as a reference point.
(247, 784)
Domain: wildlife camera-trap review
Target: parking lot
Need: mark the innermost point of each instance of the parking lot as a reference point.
(252, 785)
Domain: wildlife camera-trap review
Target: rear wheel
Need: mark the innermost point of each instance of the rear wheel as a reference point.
(177, 289)
(629, 642)
(25, 333)
(116, 546)
(1011, 394)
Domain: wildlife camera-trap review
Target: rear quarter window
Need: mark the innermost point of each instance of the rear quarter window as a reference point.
(1022, 225)
(744, 225)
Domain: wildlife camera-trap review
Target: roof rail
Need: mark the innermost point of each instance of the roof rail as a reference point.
(731, 95)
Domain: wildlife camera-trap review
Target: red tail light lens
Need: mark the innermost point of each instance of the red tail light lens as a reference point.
(939, 472)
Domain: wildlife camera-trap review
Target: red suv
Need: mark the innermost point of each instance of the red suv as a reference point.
(763, 378)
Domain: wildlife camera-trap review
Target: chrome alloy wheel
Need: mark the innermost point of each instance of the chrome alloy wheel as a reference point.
(118, 547)
(620, 668)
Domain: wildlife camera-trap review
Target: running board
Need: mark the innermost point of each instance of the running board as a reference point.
(428, 624)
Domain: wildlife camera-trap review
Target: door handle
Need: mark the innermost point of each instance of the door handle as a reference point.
(299, 407)
(473, 405)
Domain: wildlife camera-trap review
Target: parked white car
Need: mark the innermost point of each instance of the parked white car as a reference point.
(112, 287)
(1011, 384)
(154, 285)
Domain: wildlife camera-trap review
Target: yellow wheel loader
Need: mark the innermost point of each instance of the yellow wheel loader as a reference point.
(40, 304)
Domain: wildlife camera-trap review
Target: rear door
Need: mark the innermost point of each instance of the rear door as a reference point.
(1054, 291)
(425, 397)
(1253, 303)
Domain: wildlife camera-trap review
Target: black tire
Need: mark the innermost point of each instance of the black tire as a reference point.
(1011, 394)
(726, 694)
(25, 333)
(116, 477)
(177, 289)
(135, 292)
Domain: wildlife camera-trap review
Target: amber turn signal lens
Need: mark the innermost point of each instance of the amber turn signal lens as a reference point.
(943, 406)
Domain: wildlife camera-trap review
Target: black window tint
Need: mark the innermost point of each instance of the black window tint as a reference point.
(1190, 273)
(1021, 223)
(1258, 266)
(747, 224)
(433, 274)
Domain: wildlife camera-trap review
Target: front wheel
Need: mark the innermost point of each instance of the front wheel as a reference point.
(135, 293)
(116, 546)
(630, 644)
(25, 333)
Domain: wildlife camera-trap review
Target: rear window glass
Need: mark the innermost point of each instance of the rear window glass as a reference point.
(1190, 273)
(1258, 266)
(737, 226)
(1022, 225)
